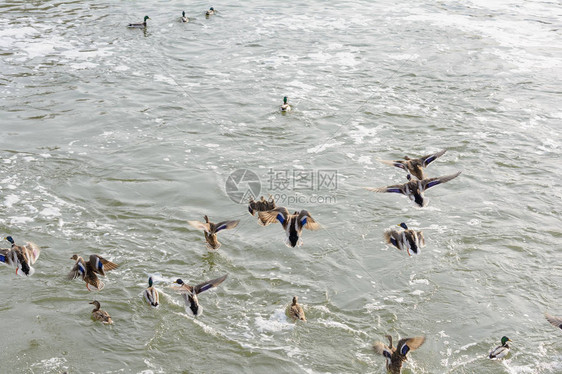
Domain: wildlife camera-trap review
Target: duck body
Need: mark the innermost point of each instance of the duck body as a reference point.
(139, 25)
(415, 166)
(261, 205)
(20, 257)
(100, 315)
(210, 12)
(88, 270)
(211, 229)
(190, 293)
(151, 294)
(414, 189)
(410, 240)
(395, 356)
(285, 107)
(554, 321)
(500, 351)
(183, 17)
(296, 311)
(292, 223)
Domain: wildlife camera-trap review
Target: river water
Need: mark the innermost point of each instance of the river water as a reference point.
(113, 138)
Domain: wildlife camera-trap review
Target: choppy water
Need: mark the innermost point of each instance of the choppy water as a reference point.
(113, 138)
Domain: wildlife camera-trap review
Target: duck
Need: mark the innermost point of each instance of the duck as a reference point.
(139, 24)
(22, 257)
(211, 229)
(285, 107)
(410, 240)
(261, 205)
(414, 189)
(210, 12)
(295, 310)
(88, 270)
(183, 17)
(554, 321)
(190, 293)
(500, 351)
(395, 356)
(292, 223)
(151, 294)
(100, 315)
(415, 166)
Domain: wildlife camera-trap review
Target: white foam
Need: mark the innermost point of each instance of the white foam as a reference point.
(50, 211)
(276, 322)
(10, 200)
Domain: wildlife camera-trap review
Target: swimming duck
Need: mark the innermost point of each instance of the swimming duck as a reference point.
(139, 24)
(261, 205)
(285, 107)
(414, 189)
(292, 223)
(87, 270)
(151, 294)
(211, 11)
(190, 293)
(295, 311)
(554, 321)
(410, 240)
(211, 229)
(100, 315)
(22, 257)
(183, 17)
(395, 356)
(415, 165)
(502, 350)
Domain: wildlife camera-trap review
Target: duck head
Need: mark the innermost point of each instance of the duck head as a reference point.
(505, 339)
(96, 304)
(10, 239)
(145, 18)
(285, 100)
(179, 281)
(404, 226)
(150, 282)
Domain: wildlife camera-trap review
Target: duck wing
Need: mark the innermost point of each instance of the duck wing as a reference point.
(426, 160)
(306, 221)
(271, 216)
(396, 188)
(397, 163)
(226, 225)
(31, 252)
(382, 349)
(100, 264)
(209, 284)
(78, 270)
(430, 182)
(5, 255)
(554, 321)
(409, 344)
(201, 226)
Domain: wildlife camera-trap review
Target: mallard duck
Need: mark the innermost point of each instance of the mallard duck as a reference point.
(210, 12)
(100, 315)
(183, 17)
(87, 270)
(151, 294)
(139, 24)
(415, 165)
(292, 223)
(554, 321)
(22, 257)
(211, 229)
(190, 293)
(285, 107)
(410, 240)
(501, 350)
(414, 189)
(295, 311)
(395, 356)
(261, 205)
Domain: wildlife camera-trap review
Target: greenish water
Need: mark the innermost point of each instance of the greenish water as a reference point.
(112, 138)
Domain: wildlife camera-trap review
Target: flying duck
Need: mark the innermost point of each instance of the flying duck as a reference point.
(88, 270)
(211, 229)
(410, 240)
(395, 356)
(262, 205)
(190, 293)
(554, 321)
(415, 166)
(292, 223)
(21, 257)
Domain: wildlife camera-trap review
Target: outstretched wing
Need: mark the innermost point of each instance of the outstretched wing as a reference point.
(200, 225)
(409, 344)
(430, 182)
(397, 188)
(397, 163)
(78, 270)
(32, 252)
(382, 349)
(4, 256)
(426, 160)
(225, 225)
(209, 284)
(554, 321)
(306, 221)
(278, 214)
(100, 264)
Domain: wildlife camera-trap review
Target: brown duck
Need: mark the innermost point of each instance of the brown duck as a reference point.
(211, 229)
(100, 315)
(292, 223)
(395, 356)
(190, 293)
(88, 270)
(415, 166)
(295, 310)
(20, 256)
(262, 205)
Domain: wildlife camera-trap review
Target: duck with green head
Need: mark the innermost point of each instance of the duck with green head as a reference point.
(20, 256)
(183, 17)
(151, 294)
(285, 107)
(139, 24)
(210, 12)
(502, 350)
